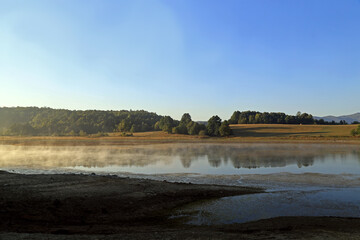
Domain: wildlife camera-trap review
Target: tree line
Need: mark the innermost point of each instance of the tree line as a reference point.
(61, 122)
(253, 117)
(33, 121)
(214, 127)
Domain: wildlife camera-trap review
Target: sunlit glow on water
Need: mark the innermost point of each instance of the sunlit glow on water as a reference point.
(187, 158)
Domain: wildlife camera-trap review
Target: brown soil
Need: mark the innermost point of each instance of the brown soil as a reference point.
(94, 204)
(105, 207)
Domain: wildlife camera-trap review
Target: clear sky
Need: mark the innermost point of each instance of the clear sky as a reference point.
(174, 56)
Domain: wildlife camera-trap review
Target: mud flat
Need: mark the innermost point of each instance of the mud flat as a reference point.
(74, 206)
(69, 203)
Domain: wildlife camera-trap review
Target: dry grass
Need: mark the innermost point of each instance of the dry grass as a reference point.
(154, 135)
(242, 133)
(291, 131)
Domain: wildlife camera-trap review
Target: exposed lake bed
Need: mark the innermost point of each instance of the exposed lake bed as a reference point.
(79, 206)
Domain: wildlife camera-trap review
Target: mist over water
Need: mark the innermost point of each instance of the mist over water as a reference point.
(187, 158)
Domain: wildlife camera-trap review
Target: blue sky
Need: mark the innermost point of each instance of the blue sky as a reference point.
(174, 56)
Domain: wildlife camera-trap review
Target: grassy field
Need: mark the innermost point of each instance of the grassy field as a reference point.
(291, 131)
(241, 133)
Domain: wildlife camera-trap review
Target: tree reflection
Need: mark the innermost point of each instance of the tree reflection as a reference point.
(186, 161)
(238, 155)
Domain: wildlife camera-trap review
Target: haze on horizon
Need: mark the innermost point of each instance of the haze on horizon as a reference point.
(203, 57)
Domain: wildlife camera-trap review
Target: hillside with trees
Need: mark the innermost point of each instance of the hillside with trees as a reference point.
(47, 121)
(34, 121)
(253, 117)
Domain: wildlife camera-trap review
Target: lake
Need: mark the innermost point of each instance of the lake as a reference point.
(219, 159)
(338, 202)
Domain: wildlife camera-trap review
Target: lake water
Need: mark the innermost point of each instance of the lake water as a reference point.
(301, 179)
(220, 159)
(339, 202)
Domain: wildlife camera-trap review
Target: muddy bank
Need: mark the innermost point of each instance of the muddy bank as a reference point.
(105, 207)
(278, 228)
(94, 204)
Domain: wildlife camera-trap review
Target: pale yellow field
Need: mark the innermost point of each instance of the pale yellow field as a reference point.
(291, 131)
(241, 133)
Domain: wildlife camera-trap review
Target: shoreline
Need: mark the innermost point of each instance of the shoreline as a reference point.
(118, 141)
(74, 203)
(68, 206)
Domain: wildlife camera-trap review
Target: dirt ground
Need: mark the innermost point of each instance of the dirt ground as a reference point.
(107, 207)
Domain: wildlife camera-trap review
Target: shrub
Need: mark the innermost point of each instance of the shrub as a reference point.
(202, 133)
(356, 132)
(124, 134)
(82, 133)
(101, 134)
(181, 129)
(72, 133)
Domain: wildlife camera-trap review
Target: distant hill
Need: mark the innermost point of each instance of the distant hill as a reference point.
(348, 118)
(202, 122)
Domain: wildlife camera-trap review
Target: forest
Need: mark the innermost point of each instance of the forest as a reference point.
(253, 117)
(58, 122)
(34, 121)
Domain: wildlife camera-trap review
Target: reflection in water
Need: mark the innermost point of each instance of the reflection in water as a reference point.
(238, 156)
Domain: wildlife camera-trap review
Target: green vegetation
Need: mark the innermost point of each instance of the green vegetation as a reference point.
(213, 126)
(33, 121)
(225, 129)
(188, 126)
(59, 122)
(185, 126)
(165, 124)
(356, 132)
(252, 117)
(19, 115)
(217, 128)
